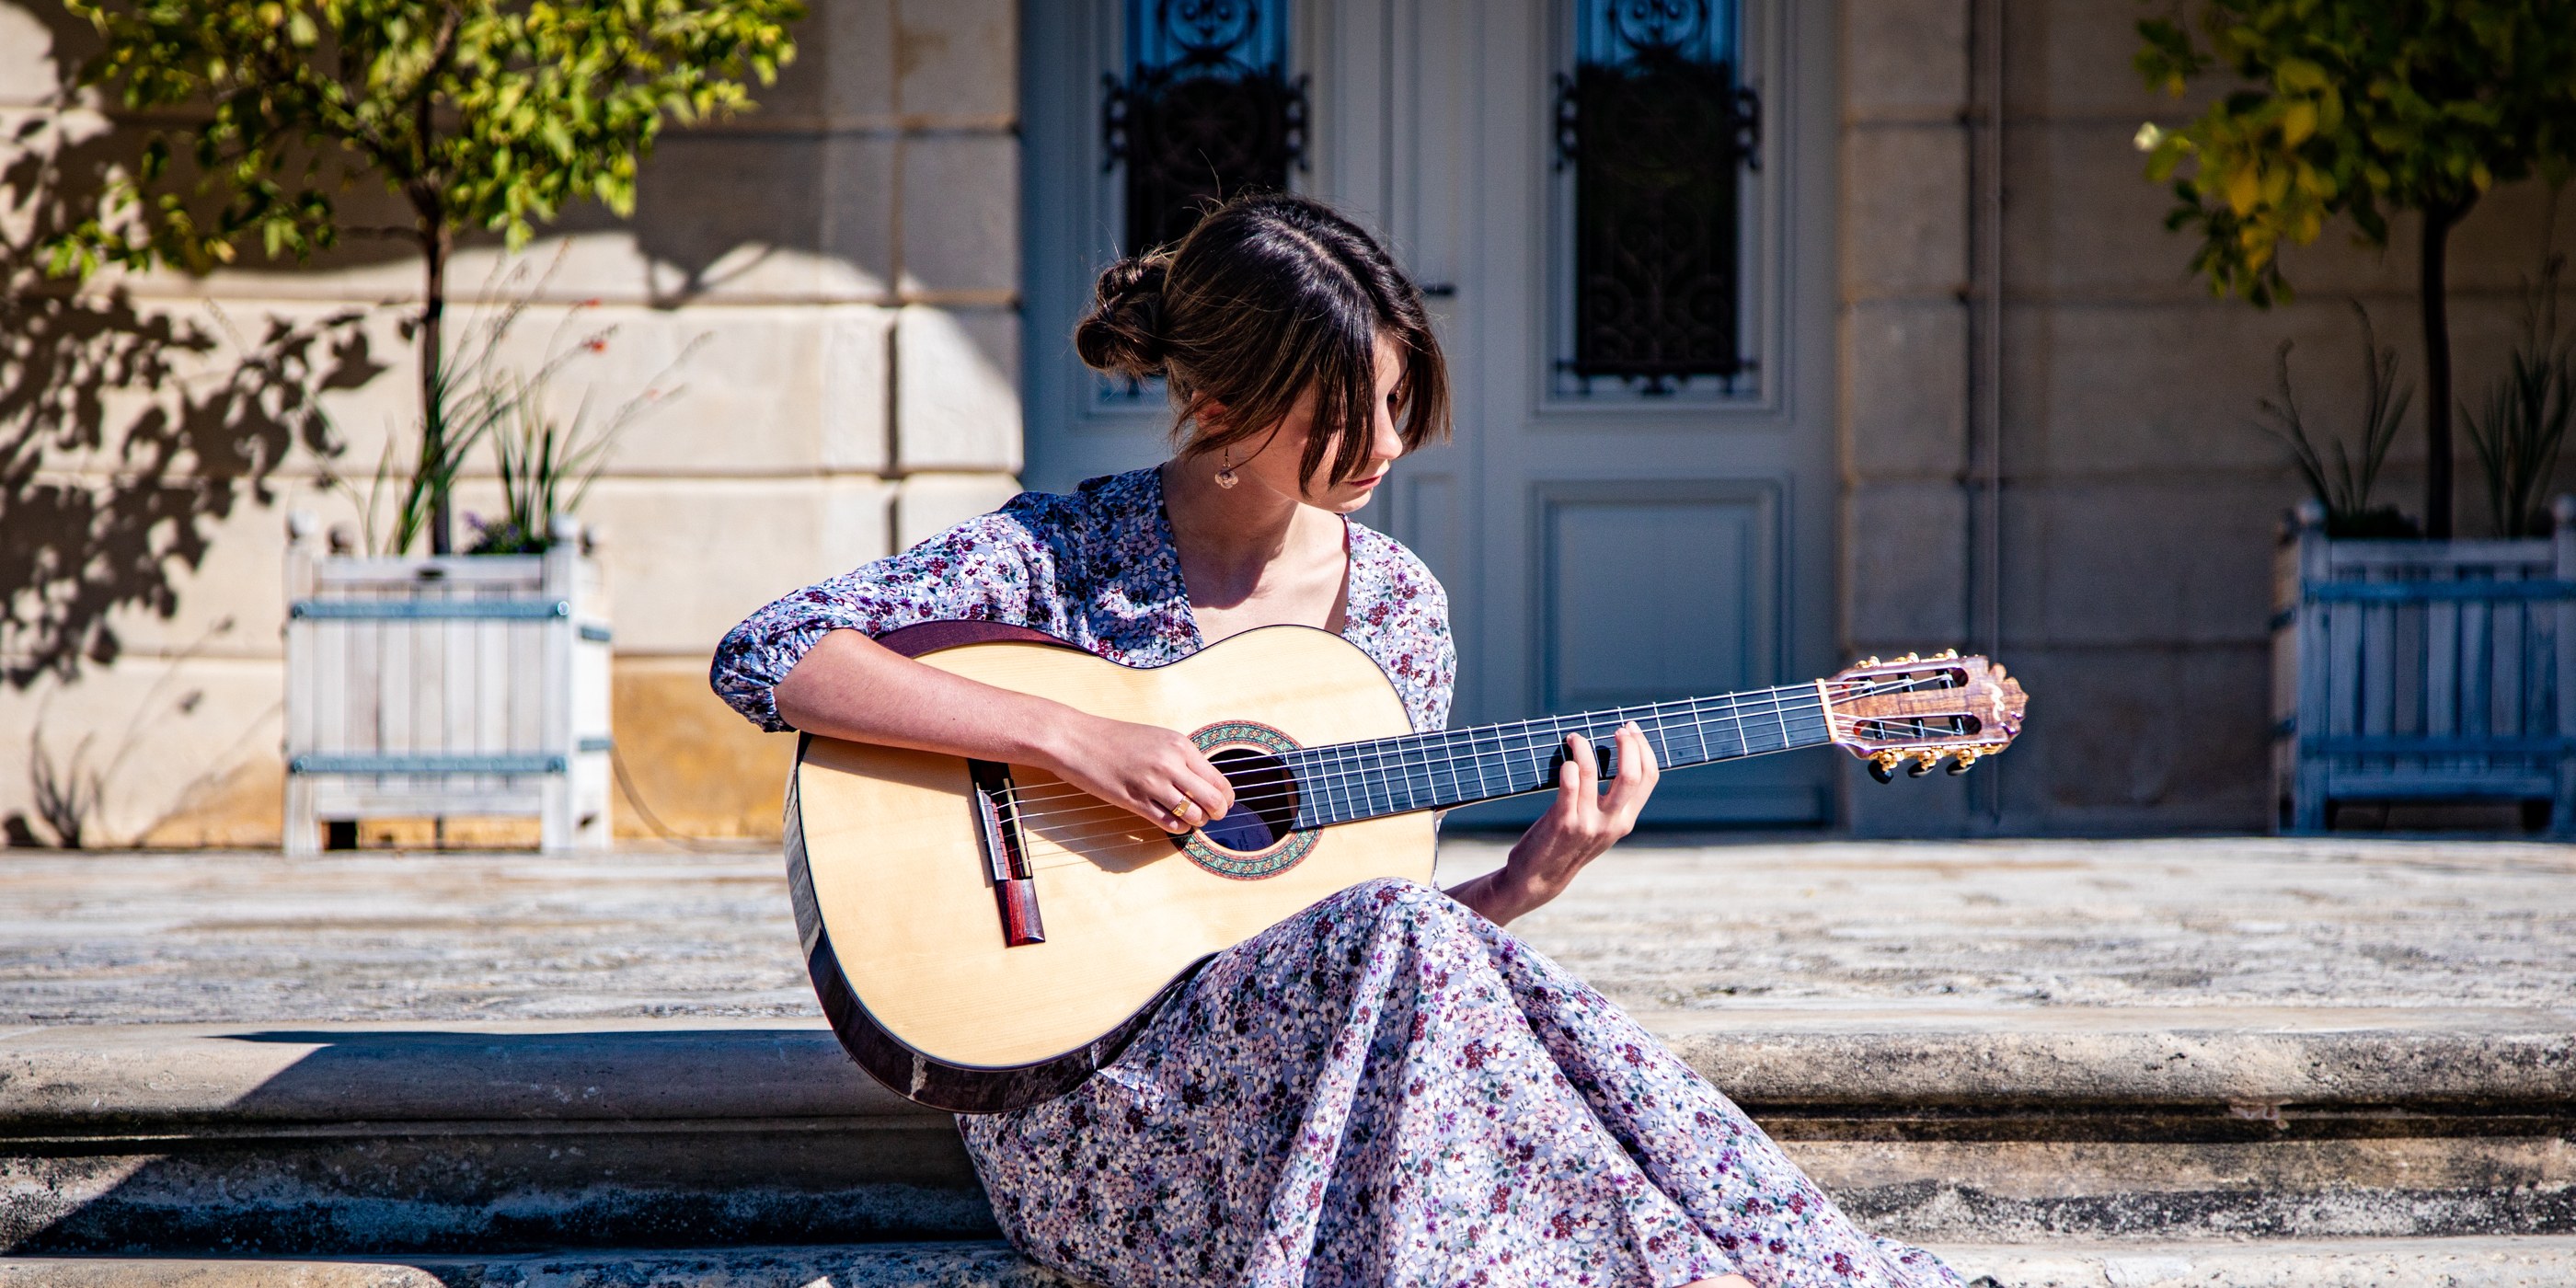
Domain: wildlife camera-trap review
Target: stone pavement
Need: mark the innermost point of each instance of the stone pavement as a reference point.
(1983, 931)
(2173, 1045)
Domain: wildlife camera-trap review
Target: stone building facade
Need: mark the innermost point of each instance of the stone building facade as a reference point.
(2024, 428)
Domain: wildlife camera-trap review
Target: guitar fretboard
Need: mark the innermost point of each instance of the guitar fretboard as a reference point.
(1359, 780)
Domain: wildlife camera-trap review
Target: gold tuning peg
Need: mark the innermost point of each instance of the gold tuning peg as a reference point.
(1948, 655)
(1909, 658)
(1867, 661)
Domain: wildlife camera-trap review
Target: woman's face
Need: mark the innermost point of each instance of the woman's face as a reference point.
(1275, 465)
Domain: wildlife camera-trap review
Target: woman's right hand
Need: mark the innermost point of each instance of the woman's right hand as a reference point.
(850, 686)
(1154, 773)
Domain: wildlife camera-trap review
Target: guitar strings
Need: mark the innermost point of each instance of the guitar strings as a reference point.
(1325, 774)
(1658, 719)
(1130, 825)
(1329, 775)
(1324, 779)
(1141, 832)
(1660, 713)
(1319, 785)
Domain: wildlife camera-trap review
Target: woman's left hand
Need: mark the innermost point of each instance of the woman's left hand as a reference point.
(1583, 824)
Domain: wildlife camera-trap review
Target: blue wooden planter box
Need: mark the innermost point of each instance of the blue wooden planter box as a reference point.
(446, 687)
(2424, 670)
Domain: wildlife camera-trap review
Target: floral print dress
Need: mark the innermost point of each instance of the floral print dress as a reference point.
(1383, 1091)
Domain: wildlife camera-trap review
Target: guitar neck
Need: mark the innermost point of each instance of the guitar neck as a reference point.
(1361, 780)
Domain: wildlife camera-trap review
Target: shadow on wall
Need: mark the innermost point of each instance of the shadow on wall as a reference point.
(426, 1142)
(126, 435)
(134, 427)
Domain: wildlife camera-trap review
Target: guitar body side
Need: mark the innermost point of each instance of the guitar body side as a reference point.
(897, 910)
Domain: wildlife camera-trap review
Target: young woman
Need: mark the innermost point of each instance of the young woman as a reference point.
(1385, 1089)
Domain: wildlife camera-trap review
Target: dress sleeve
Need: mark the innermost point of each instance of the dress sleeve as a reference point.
(989, 568)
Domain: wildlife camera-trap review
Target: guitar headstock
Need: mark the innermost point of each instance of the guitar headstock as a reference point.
(1913, 711)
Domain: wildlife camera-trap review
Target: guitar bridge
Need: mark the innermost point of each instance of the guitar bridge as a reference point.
(1006, 861)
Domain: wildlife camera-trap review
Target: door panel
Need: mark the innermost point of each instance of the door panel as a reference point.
(1434, 522)
(1652, 590)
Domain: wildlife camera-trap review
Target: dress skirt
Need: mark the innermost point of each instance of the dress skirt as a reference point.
(1389, 1091)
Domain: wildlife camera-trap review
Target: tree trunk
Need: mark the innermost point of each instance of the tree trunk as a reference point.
(2439, 218)
(433, 419)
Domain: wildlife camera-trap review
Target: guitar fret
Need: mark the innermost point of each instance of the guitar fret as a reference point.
(1357, 789)
(1333, 792)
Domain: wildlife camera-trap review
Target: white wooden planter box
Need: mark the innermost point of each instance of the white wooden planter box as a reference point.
(2424, 670)
(468, 685)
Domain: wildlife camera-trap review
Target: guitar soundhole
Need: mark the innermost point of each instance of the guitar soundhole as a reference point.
(1265, 801)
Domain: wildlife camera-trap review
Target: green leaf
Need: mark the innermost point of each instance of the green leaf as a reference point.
(2298, 121)
(2349, 108)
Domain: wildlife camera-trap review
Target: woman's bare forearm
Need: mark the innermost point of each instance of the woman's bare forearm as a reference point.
(850, 686)
(1499, 896)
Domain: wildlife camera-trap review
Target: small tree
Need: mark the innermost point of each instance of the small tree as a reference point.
(480, 114)
(2359, 108)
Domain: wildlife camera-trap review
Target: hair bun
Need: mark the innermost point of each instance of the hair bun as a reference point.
(1124, 333)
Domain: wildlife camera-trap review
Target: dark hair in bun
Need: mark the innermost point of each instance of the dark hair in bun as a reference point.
(1270, 295)
(1122, 336)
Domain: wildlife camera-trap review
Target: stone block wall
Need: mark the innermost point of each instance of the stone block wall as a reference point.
(845, 259)
(2139, 501)
(846, 262)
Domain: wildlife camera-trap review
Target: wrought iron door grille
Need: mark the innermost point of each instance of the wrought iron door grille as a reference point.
(1658, 135)
(1206, 111)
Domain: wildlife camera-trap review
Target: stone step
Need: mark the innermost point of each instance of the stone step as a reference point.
(1927, 1125)
(2354, 1263)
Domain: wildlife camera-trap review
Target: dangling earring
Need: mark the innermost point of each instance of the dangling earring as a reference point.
(1225, 476)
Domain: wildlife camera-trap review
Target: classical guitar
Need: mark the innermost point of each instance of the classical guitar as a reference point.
(984, 935)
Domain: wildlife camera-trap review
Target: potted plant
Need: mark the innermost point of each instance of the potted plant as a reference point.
(464, 684)
(2404, 668)
(488, 115)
